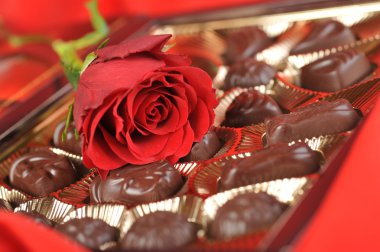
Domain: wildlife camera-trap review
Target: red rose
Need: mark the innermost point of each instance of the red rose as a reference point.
(136, 105)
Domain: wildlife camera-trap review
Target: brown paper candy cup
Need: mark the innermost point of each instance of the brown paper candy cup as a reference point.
(12, 196)
(251, 139)
(50, 207)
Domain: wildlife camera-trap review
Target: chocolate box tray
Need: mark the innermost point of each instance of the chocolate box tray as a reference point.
(201, 38)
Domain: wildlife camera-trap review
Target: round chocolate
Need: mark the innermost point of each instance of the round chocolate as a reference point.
(5, 205)
(335, 71)
(245, 214)
(244, 43)
(89, 232)
(133, 184)
(248, 73)
(38, 217)
(41, 172)
(325, 34)
(160, 231)
(71, 144)
(250, 107)
(205, 149)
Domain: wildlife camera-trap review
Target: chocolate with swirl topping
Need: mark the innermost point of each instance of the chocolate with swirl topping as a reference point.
(250, 107)
(245, 42)
(248, 73)
(325, 34)
(335, 72)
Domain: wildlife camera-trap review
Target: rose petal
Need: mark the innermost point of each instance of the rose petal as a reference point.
(152, 43)
(185, 147)
(199, 125)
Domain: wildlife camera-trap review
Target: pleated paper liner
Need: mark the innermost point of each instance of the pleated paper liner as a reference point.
(13, 196)
(50, 207)
(365, 45)
(188, 206)
(5, 206)
(229, 96)
(112, 214)
(277, 53)
(204, 181)
(289, 96)
(78, 192)
(229, 137)
(251, 139)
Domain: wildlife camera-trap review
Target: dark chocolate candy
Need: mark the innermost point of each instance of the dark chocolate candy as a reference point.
(245, 214)
(244, 43)
(5, 205)
(38, 217)
(205, 149)
(41, 172)
(250, 107)
(160, 231)
(89, 232)
(133, 184)
(248, 73)
(70, 144)
(336, 71)
(322, 118)
(275, 162)
(325, 34)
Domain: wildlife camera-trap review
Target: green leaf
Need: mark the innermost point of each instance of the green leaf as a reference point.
(68, 51)
(87, 61)
(17, 41)
(69, 120)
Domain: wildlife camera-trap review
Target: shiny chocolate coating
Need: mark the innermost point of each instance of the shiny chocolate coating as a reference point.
(70, 144)
(41, 172)
(321, 118)
(89, 232)
(248, 73)
(323, 35)
(245, 42)
(245, 214)
(160, 231)
(250, 107)
(5, 205)
(133, 184)
(335, 72)
(38, 217)
(274, 162)
(205, 149)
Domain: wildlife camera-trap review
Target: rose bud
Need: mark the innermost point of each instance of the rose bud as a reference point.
(136, 104)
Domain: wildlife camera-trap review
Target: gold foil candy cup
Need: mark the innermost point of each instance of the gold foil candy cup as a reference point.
(228, 136)
(13, 196)
(78, 192)
(365, 45)
(50, 207)
(5, 206)
(289, 96)
(69, 155)
(362, 96)
(188, 206)
(251, 139)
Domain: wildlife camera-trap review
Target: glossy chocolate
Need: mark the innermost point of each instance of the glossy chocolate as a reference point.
(323, 35)
(336, 71)
(41, 172)
(321, 118)
(5, 205)
(70, 144)
(245, 214)
(89, 232)
(275, 162)
(245, 42)
(135, 184)
(160, 231)
(250, 107)
(248, 73)
(205, 149)
(38, 217)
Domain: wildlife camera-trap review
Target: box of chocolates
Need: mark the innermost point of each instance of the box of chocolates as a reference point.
(291, 88)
